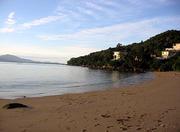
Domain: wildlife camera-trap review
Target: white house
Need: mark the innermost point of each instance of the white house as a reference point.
(165, 54)
(119, 55)
(116, 55)
(176, 46)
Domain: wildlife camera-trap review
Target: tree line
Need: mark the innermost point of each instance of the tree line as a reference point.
(139, 57)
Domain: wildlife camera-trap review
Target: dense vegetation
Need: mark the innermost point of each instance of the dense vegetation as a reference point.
(139, 55)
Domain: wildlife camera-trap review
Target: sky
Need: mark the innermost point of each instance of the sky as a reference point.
(57, 30)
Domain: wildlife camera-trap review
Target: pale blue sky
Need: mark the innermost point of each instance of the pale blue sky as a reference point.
(56, 30)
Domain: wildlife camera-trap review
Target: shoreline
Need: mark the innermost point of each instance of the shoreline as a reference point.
(131, 80)
(150, 106)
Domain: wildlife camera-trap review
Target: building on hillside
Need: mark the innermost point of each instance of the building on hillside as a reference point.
(169, 49)
(169, 52)
(119, 55)
(153, 55)
(176, 46)
(138, 59)
(166, 54)
(116, 55)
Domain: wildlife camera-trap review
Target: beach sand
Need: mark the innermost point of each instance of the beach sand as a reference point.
(153, 106)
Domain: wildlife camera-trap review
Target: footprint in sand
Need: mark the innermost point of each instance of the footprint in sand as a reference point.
(97, 125)
(105, 116)
(84, 130)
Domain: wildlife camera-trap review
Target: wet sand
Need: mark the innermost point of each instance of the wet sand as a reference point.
(153, 106)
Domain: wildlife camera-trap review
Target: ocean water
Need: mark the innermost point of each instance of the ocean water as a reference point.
(36, 80)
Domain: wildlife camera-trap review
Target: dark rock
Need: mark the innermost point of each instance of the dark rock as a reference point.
(14, 105)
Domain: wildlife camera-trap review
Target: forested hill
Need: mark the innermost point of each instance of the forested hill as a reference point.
(139, 56)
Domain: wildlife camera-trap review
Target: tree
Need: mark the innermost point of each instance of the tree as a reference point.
(118, 45)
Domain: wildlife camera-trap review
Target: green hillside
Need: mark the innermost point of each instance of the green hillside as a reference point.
(138, 57)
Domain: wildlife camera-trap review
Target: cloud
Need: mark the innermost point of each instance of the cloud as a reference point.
(108, 2)
(10, 20)
(9, 24)
(126, 32)
(5, 30)
(86, 11)
(97, 7)
(163, 1)
(41, 21)
(79, 10)
(150, 3)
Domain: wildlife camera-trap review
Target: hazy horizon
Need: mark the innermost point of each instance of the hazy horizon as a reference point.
(56, 30)
(38, 58)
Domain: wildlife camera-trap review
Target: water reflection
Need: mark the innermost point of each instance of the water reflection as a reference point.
(116, 75)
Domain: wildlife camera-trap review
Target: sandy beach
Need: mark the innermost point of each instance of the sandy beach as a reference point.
(153, 106)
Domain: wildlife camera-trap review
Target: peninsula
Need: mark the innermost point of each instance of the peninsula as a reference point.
(12, 58)
(154, 54)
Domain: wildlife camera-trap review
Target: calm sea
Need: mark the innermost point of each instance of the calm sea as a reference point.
(35, 80)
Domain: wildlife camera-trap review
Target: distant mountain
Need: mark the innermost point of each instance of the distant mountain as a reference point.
(12, 58)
